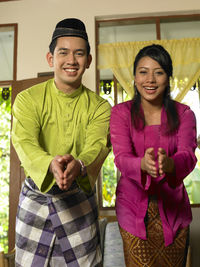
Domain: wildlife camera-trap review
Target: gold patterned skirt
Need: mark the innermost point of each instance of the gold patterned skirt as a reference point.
(152, 252)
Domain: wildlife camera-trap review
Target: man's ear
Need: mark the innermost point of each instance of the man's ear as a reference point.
(49, 58)
(89, 60)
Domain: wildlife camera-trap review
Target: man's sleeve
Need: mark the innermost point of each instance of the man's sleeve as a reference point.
(25, 138)
(97, 142)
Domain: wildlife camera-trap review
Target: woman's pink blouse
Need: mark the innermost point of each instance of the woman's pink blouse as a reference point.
(133, 188)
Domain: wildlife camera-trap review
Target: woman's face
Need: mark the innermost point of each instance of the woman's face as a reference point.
(151, 80)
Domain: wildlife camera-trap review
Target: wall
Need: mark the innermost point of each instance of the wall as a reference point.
(36, 21)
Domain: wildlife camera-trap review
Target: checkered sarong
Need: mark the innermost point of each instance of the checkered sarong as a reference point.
(59, 228)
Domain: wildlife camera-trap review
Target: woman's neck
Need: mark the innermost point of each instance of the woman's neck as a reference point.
(152, 113)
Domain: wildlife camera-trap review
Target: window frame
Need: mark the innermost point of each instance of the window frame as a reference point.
(7, 0)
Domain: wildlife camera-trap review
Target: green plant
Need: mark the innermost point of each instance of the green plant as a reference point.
(109, 174)
(5, 122)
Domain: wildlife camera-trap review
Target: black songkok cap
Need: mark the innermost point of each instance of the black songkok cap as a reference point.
(70, 27)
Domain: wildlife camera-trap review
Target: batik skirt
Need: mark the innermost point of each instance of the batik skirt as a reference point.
(153, 252)
(59, 228)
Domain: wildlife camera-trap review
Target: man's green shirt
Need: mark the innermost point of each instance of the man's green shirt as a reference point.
(48, 122)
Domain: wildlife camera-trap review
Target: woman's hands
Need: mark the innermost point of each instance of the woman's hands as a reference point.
(148, 162)
(165, 164)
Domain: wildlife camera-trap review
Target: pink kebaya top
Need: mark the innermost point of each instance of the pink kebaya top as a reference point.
(152, 139)
(134, 187)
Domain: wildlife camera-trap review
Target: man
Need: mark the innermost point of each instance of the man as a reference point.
(60, 132)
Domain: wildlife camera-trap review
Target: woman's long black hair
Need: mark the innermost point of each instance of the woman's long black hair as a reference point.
(159, 54)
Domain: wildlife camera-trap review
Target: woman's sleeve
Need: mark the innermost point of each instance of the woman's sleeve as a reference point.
(184, 159)
(126, 160)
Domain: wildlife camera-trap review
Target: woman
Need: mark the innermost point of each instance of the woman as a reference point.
(154, 139)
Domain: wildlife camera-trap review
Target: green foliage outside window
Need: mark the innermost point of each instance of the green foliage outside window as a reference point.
(5, 119)
(192, 182)
(109, 181)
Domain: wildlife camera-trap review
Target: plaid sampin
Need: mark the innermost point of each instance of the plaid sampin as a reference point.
(57, 229)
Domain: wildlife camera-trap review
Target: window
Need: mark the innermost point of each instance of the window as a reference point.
(133, 30)
(192, 182)
(5, 114)
(8, 47)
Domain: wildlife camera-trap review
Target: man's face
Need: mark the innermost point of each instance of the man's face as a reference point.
(69, 61)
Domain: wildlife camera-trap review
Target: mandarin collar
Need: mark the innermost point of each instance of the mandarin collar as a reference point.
(77, 92)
